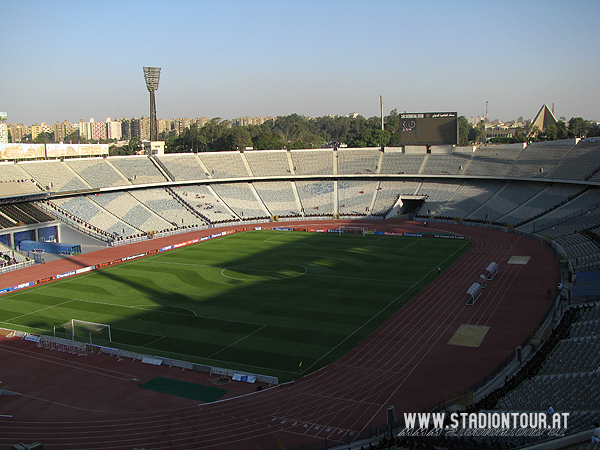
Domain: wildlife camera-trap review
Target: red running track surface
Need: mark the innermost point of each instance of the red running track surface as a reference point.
(93, 402)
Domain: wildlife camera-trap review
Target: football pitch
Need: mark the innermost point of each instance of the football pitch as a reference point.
(275, 303)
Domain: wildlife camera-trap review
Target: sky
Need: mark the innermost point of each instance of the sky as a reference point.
(72, 60)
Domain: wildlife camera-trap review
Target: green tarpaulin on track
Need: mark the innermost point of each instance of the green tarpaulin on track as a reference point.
(185, 389)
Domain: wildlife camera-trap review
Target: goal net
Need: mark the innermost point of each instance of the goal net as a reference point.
(81, 330)
(352, 230)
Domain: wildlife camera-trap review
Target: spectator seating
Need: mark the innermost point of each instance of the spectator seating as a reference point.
(89, 214)
(268, 163)
(97, 172)
(493, 160)
(224, 164)
(437, 194)
(279, 198)
(470, 196)
(505, 200)
(580, 162)
(400, 163)
(205, 202)
(358, 161)
(316, 197)
(355, 197)
(138, 169)
(312, 162)
(539, 158)
(241, 199)
(182, 166)
(55, 176)
(388, 194)
(165, 205)
(131, 211)
(445, 164)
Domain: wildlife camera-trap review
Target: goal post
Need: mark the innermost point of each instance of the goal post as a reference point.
(352, 230)
(84, 330)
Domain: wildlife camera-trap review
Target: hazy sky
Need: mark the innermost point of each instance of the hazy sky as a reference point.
(228, 58)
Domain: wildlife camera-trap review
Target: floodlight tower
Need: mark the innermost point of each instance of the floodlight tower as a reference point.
(152, 76)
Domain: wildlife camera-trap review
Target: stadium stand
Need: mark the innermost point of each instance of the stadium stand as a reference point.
(312, 162)
(241, 199)
(505, 200)
(316, 197)
(55, 176)
(97, 172)
(452, 163)
(438, 193)
(182, 166)
(355, 197)
(581, 163)
(502, 184)
(138, 169)
(388, 193)
(131, 211)
(83, 212)
(206, 203)
(268, 163)
(400, 163)
(539, 158)
(493, 160)
(358, 161)
(470, 196)
(161, 202)
(224, 164)
(278, 197)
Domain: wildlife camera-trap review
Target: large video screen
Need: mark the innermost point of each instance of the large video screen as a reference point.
(433, 128)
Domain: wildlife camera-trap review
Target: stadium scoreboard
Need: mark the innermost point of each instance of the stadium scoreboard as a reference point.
(433, 128)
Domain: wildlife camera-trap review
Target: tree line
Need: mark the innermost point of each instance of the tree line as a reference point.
(297, 132)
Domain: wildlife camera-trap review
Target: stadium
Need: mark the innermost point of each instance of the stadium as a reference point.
(495, 311)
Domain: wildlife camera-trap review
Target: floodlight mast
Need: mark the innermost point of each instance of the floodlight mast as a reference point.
(152, 77)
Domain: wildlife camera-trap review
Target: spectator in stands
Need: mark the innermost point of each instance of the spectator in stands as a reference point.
(596, 435)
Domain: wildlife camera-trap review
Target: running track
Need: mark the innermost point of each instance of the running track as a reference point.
(407, 362)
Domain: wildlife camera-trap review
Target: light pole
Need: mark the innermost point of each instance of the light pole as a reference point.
(152, 77)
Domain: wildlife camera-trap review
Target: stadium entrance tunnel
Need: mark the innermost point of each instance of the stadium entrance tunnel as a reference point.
(411, 204)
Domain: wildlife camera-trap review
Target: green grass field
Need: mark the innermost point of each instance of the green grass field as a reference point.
(259, 301)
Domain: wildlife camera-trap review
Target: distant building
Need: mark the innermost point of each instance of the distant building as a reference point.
(36, 130)
(201, 121)
(64, 129)
(18, 132)
(113, 129)
(180, 124)
(544, 118)
(93, 130)
(3, 128)
(245, 121)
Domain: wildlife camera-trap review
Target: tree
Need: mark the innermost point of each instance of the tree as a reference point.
(554, 132)
(463, 131)
(593, 130)
(392, 126)
(236, 138)
(477, 133)
(268, 141)
(74, 138)
(371, 138)
(578, 127)
(44, 138)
